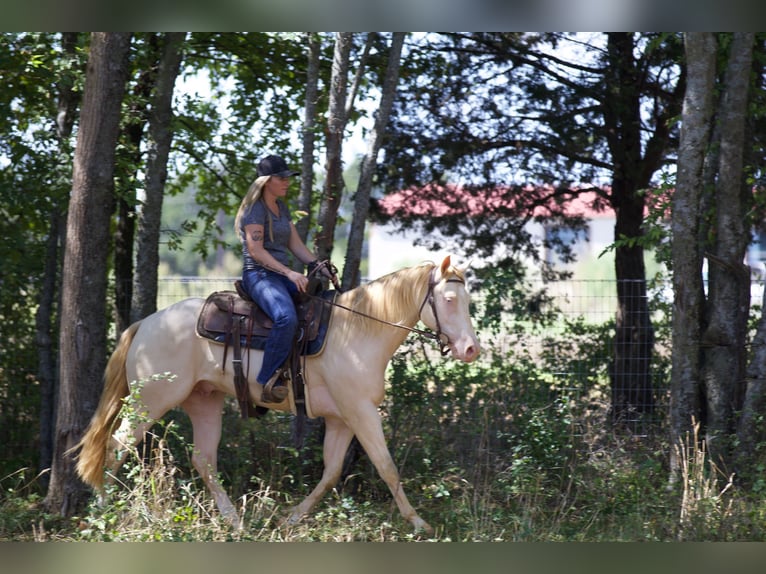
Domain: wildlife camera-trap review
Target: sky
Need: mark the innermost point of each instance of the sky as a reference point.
(354, 144)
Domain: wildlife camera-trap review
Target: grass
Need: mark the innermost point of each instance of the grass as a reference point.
(609, 488)
(498, 450)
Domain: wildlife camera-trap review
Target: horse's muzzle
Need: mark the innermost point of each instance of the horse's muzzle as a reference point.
(466, 349)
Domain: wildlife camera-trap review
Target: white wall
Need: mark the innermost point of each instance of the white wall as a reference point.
(389, 250)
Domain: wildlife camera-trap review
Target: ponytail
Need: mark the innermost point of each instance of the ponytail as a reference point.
(253, 194)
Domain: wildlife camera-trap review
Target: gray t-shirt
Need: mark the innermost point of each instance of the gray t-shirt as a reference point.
(276, 232)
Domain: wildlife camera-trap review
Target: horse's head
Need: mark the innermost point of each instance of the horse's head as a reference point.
(447, 312)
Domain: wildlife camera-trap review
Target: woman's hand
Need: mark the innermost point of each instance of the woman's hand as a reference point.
(300, 280)
(326, 269)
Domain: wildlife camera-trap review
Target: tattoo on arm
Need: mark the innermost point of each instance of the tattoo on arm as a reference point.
(257, 236)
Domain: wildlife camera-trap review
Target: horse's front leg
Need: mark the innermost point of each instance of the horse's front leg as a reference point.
(336, 440)
(368, 428)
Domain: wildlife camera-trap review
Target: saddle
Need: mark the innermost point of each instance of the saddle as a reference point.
(234, 320)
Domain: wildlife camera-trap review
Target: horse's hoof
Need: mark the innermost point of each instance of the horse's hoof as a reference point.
(290, 520)
(233, 519)
(422, 525)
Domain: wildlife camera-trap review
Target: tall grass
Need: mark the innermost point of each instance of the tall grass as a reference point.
(472, 477)
(705, 507)
(516, 447)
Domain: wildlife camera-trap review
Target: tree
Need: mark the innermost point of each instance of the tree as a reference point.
(632, 387)
(45, 318)
(83, 309)
(314, 45)
(353, 260)
(750, 429)
(38, 103)
(714, 207)
(128, 163)
(262, 79)
(266, 80)
(160, 135)
(725, 331)
(688, 305)
(336, 124)
(492, 106)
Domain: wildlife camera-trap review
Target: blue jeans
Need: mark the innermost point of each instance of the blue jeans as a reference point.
(273, 293)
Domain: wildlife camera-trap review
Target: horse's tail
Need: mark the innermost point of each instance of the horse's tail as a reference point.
(92, 456)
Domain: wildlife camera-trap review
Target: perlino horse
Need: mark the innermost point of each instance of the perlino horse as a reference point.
(344, 384)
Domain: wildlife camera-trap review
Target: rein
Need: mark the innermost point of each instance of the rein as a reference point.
(429, 298)
(443, 347)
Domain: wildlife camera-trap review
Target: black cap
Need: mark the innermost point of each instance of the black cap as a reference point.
(275, 165)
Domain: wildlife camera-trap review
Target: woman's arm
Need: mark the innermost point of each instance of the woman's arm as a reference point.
(254, 240)
(299, 249)
(302, 252)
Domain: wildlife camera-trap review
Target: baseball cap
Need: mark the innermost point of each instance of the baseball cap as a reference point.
(275, 165)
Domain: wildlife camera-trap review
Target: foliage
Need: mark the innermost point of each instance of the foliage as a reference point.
(515, 447)
(257, 81)
(528, 108)
(255, 78)
(35, 178)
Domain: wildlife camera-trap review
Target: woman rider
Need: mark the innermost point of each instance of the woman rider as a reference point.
(269, 238)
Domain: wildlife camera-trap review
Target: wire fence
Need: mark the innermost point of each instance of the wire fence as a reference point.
(573, 347)
(568, 355)
(566, 331)
(172, 289)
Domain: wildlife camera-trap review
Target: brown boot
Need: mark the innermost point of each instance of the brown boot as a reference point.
(274, 391)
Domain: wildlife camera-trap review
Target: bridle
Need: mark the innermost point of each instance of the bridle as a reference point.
(429, 298)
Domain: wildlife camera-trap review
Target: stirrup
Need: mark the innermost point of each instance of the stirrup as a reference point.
(272, 393)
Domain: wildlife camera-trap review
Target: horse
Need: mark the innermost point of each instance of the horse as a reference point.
(164, 363)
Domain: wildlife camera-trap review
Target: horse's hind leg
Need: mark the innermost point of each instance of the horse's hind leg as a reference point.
(336, 440)
(204, 407)
(126, 437)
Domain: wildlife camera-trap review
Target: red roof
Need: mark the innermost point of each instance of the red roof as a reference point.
(448, 200)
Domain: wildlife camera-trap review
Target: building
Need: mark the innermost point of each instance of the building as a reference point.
(390, 248)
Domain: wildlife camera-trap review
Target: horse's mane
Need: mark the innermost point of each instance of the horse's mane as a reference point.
(391, 297)
(395, 297)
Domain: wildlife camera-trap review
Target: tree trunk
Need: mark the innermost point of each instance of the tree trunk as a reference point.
(124, 237)
(46, 316)
(309, 137)
(336, 123)
(83, 308)
(351, 275)
(158, 149)
(751, 430)
(723, 341)
(632, 390)
(45, 321)
(688, 301)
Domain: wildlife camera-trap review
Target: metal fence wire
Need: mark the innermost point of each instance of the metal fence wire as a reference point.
(568, 338)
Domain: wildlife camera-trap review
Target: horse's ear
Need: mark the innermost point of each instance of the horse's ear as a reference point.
(445, 265)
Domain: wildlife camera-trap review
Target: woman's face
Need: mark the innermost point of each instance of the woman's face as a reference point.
(277, 186)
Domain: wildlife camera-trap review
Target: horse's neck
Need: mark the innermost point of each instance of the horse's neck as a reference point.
(394, 298)
(376, 312)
